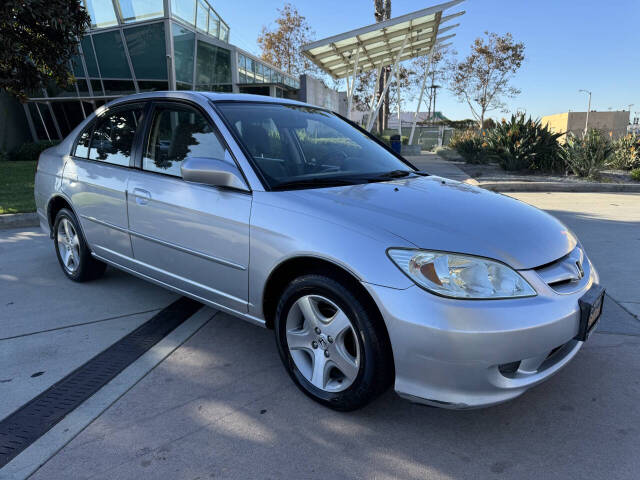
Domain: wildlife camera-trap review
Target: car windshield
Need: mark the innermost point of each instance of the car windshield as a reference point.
(303, 147)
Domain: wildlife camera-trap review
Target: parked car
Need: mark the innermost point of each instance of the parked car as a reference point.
(369, 271)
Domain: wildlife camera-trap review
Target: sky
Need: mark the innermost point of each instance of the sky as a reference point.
(569, 44)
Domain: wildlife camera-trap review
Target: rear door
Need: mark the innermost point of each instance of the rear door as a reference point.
(191, 236)
(95, 179)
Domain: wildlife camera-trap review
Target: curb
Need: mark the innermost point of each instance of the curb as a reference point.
(16, 220)
(559, 187)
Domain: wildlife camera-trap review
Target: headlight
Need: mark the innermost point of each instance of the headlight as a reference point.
(460, 276)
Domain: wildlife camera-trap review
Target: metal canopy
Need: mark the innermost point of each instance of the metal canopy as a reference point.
(382, 44)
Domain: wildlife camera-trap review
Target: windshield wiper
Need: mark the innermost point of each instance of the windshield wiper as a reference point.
(314, 183)
(393, 174)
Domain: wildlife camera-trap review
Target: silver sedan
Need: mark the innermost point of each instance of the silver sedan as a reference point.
(370, 272)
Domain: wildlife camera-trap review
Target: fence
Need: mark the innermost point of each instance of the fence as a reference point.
(428, 137)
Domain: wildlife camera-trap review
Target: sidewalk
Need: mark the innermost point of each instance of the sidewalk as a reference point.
(432, 163)
(436, 165)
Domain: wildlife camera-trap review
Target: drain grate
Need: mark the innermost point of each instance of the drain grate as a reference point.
(34, 419)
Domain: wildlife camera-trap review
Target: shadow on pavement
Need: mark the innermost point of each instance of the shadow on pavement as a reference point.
(222, 407)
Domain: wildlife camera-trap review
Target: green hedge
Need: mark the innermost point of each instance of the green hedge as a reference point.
(30, 151)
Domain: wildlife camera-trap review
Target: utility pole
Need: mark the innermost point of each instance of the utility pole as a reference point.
(586, 124)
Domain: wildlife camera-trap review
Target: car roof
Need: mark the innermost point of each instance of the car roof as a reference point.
(199, 96)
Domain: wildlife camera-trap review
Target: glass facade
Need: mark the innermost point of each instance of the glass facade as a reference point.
(111, 57)
(138, 46)
(147, 50)
(137, 10)
(251, 70)
(213, 69)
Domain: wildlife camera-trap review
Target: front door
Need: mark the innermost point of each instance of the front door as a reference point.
(193, 237)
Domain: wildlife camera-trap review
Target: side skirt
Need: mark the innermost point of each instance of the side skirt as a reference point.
(245, 316)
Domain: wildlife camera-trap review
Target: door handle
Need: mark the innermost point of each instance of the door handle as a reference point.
(142, 196)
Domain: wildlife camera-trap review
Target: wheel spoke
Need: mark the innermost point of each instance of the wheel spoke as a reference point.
(62, 239)
(345, 363)
(68, 256)
(338, 325)
(308, 310)
(319, 373)
(67, 232)
(299, 339)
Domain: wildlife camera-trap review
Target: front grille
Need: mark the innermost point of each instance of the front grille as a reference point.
(567, 274)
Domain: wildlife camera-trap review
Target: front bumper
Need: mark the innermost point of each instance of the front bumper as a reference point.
(475, 353)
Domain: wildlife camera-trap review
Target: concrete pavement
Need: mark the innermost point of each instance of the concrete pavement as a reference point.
(608, 225)
(222, 407)
(49, 325)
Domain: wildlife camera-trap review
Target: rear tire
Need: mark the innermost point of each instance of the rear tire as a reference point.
(72, 250)
(331, 342)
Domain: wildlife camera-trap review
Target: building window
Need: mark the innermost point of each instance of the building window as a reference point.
(202, 17)
(185, 10)
(118, 87)
(152, 85)
(214, 66)
(89, 57)
(136, 10)
(111, 57)
(183, 52)
(224, 32)
(101, 13)
(96, 86)
(147, 51)
(214, 24)
(112, 139)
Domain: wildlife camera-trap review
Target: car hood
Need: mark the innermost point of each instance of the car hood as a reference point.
(440, 214)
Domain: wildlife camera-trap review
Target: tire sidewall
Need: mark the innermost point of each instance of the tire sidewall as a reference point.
(358, 316)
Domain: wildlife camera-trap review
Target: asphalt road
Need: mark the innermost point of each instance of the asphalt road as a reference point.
(221, 405)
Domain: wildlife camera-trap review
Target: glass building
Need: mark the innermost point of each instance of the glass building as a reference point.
(145, 45)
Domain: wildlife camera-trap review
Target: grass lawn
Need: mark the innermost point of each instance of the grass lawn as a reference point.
(16, 187)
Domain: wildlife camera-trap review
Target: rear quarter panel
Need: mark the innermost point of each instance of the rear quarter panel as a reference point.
(48, 181)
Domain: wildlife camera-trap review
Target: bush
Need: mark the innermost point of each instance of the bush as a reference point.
(524, 144)
(30, 151)
(586, 156)
(4, 156)
(635, 174)
(470, 146)
(626, 154)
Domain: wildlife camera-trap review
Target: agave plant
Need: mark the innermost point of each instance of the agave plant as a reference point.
(470, 145)
(522, 143)
(627, 152)
(586, 156)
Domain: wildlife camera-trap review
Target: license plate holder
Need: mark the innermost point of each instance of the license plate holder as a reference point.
(590, 311)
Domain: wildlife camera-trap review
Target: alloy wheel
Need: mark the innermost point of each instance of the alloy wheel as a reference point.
(323, 343)
(68, 245)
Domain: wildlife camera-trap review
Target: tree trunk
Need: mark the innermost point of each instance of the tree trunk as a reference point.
(382, 13)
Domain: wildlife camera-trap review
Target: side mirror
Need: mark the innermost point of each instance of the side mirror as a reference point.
(214, 172)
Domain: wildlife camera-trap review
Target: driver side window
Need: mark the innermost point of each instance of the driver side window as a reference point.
(177, 133)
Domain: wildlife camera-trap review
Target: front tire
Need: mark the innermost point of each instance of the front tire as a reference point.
(72, 249)
(332, 343)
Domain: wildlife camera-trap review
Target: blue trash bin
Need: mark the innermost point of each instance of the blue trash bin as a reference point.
(396, 143)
